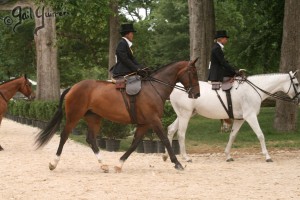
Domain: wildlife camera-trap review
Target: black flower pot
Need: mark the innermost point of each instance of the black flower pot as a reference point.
(148, 146)
(140, 148)
(160, 147)
(175, 146)
(112, 144)
(101, 143)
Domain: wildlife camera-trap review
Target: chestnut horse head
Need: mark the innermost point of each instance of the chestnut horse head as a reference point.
(21, 84)
(9, 88)
(93, 100)
(26, 88)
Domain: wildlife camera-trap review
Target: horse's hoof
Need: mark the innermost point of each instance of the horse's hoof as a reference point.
(1, 149)
(165, 157)
(51, 167)
(229, 160)
(118, 169)
(269, 160)
(105, 168)
(179, 167)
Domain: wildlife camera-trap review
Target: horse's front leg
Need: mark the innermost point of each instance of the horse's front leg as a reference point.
(235, 128)
(158, 129)
(253, 122)
(138, 136)
(172, 129)
(183, 123)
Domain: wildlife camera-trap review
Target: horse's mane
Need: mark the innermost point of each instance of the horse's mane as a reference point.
(271, 74)
(156, 69)
(9, 80)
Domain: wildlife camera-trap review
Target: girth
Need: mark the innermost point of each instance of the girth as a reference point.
(129, 86)
(130, 106)
(229, 109)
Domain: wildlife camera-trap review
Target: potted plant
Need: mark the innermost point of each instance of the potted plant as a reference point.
(114, 132)
(148, 142)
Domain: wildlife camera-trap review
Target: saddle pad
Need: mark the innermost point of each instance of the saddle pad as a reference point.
(120, 84)
(216, 85)
(226, 86)
(133, 84)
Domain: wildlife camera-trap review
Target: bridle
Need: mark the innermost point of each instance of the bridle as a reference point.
(24, 85)
(188, 72)
(278, 96)
(295, 86)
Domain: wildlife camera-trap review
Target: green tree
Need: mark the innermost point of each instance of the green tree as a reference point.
(169, 29)
(17, 50)
(255, 30)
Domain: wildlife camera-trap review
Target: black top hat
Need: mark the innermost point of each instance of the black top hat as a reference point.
(127, 28)
(221, 34)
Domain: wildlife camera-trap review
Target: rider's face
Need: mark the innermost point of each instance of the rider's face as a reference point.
(224, 40)
(129, 36)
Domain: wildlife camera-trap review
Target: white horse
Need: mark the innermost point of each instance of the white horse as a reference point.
(247, 95)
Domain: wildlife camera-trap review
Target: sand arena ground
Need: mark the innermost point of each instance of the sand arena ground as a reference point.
(24, 173)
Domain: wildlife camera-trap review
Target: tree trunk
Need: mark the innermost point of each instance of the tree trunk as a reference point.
(48, 81)
(286, 113)
(202, 29)
(114, 33)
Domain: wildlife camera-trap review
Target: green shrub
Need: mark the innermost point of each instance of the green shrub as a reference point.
(10, 107)
(169, 115)
(114, 130)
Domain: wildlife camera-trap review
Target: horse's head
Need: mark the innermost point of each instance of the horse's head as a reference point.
(294, 89)
(26, 88)
(189, 78)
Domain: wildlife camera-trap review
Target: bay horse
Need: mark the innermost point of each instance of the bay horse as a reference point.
(247, 95)
(9, 88)
(93, 100)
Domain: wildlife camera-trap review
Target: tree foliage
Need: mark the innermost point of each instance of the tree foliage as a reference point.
(17, 50)
(255, 29)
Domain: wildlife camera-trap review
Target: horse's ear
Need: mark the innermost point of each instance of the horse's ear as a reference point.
(194, 61)
(25, 76)
(296, 72)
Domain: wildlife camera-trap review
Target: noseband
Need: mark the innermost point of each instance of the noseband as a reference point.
(294, 87)
(188, 72)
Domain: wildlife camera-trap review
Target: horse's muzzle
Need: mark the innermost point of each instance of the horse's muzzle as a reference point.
(194, 96)
(31, 96)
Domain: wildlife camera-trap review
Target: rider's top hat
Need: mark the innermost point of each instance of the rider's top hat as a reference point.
(126, 28)
(221, 34)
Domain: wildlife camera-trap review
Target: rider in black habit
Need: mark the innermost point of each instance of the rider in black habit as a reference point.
(219, 67)
(126, 63)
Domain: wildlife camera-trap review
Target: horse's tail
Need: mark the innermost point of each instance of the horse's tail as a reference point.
(45, 135)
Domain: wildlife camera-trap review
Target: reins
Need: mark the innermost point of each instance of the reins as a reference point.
(276, 95)
(150, 78)
(2, 95)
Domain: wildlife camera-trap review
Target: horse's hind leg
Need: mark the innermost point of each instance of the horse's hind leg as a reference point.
(64, 135)
(138, 135)
(93, 122)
